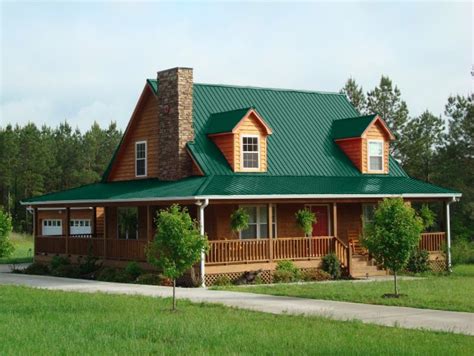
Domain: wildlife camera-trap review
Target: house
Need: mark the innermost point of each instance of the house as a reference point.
(214, 148)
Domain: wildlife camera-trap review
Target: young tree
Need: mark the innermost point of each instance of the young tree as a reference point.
(355, 94)
(6, 247)
(177, 245)
(385, 100)
(392, 235)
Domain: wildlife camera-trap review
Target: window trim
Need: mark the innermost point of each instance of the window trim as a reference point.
(242, 167)
(137, 232)
(145, 159)
(368, 155)
(257, 207)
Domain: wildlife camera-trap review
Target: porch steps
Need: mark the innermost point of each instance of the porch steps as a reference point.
(362, 267)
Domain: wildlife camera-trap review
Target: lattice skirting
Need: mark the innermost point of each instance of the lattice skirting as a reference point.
(438, 265)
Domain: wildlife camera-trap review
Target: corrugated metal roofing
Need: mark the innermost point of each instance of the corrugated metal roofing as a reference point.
(225, 121)
(243, 185)
(352, 127)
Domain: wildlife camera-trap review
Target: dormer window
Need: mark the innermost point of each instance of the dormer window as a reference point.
(375, 155)
(140, 159)
(250, 152)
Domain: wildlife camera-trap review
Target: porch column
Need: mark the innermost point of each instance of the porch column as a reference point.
(334, 219)
(94, 211)
(270, 231)
(68, 217)
(448, 232)
(202, 206)
(105, 233)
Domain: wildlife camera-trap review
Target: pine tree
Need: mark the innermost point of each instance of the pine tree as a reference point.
(355, 94)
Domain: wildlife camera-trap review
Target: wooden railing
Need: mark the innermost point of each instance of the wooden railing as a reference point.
(432, 241)
(50, 244)
(342, 251)
(126, 249)
(265, 250)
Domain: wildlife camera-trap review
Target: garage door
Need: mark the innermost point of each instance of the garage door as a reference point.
(80, 227)
(52, 227)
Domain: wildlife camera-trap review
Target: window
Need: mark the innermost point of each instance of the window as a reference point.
(80, 227)
(250, 152)
(140, 159)
(368, 211)
(127, 221)
(52, 227)
(258, 222)
(375, 155)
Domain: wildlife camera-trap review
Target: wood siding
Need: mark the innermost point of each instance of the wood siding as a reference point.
(375, 132)
(250, 126)
(225, 143)
(143, 127)
(60, 214)
(349, 220)
(353, 149)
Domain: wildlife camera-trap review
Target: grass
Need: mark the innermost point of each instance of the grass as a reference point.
(36, 321)
(23, 249)
(454, 292)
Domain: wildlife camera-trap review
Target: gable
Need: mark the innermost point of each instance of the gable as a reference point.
(143, 126)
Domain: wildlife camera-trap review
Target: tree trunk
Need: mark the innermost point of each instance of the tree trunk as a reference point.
(395, 282)
(174, 294)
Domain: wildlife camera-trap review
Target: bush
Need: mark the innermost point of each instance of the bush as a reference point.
(6, 247)
(150, 278)
(418, 261)
(332, 265)
(133, 270)
(37, 269)
(222, 280)
(462, 251)
(58, 261)
(289, 266)
(315, 275)
(283, 276)
(107, 274)
(90, 265)
(67, 271)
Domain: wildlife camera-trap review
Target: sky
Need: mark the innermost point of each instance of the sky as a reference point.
(88, 61)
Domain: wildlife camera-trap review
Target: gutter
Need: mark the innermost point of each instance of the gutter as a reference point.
(249, 197)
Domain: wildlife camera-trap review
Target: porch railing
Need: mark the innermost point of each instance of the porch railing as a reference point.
(432, 241)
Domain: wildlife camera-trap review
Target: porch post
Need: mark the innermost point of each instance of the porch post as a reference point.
(105, 232)
(448, 232)
(202, 206)
(68, 216)
(94, 211)
(270, 231)
(334, 219)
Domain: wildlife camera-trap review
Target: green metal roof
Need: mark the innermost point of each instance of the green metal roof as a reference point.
(303, 158)
(352, 127)
(244, 186)
(225, 121)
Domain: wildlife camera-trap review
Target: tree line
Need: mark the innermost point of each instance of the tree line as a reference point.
(440, 150)
(38, 160)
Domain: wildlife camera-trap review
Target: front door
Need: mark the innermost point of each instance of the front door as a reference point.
(321, 228)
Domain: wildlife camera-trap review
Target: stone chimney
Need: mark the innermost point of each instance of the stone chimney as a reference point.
(175, 110)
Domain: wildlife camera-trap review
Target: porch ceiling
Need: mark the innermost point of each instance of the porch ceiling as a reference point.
(246, 187)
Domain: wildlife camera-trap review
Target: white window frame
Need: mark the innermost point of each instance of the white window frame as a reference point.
(368, 155)
(146, 158)
(242, 167)
(59, 224)
(257, 208)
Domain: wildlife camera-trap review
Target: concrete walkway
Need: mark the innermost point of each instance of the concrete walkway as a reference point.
(376, 314)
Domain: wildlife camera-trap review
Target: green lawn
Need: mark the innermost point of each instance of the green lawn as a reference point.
(454, 292)
(51, 322)
(23, 249)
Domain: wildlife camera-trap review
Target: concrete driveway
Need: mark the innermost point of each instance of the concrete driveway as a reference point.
(413, 318)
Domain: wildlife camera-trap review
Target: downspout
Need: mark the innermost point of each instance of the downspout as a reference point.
(202, 206)
(448, 231)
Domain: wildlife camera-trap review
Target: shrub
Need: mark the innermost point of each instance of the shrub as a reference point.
(6, 247)
(462, 251)
(58, 261)
(90, 265)
(37, 269)
(305, 220)
(150, 278)
(133, 270)
(67, 271)
(418, 261)
(283, 276)
(315, 275)
(286, 271)
(222, 280)
(332, 266)
(107, 274)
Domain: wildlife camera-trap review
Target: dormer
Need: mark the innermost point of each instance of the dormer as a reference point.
(241, 135)
(366, 141)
